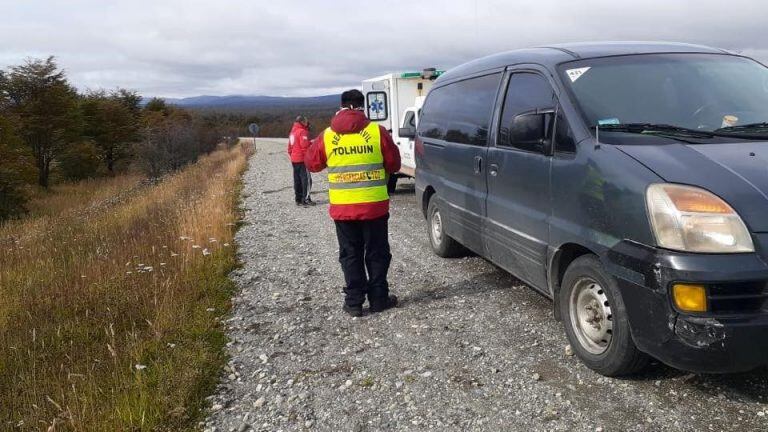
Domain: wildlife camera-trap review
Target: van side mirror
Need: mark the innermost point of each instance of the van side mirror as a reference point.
(407, 132)
(533, 130)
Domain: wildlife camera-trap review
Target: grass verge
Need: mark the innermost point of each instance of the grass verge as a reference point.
(110, 301)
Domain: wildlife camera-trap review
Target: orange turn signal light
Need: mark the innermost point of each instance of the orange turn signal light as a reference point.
(691, 200)
(690, 297)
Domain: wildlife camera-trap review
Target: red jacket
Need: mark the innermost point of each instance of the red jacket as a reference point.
(298, 142)
(349, 121)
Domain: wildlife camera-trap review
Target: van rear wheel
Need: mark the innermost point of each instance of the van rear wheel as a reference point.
(442, 244)
(595, 320)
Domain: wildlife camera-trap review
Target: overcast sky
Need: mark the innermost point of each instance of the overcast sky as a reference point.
(178, 48)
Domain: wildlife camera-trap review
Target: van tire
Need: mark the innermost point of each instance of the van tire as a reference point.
(442, 244)
(608, 347)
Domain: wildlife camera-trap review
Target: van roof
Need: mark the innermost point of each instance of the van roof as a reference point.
(552, 55)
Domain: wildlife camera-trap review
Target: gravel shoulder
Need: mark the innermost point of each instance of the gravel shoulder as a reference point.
(470, 347)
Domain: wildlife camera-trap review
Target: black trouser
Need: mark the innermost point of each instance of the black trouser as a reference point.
(300, 182)
(364, 245)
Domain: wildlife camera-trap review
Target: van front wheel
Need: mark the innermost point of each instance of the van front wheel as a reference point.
(442, 244)
(595, 320)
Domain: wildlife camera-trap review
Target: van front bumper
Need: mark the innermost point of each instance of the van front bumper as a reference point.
(731, 337)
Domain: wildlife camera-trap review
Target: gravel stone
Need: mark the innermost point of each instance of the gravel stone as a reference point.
(458, 354)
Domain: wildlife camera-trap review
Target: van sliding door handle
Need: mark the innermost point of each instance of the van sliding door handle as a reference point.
(478, 168)
(493, 169)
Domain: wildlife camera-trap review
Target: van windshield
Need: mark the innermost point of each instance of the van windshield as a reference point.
(694, 93)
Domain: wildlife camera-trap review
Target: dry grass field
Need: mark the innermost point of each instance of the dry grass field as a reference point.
(111, 293)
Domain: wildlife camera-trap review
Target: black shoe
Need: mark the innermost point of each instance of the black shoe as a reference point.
(309, 202)
(389, 304)
(354, 311)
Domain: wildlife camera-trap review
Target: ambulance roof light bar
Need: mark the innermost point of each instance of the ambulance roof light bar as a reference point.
(428, 73)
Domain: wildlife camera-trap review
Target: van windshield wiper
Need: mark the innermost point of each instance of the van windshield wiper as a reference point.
(678, 133)
(751, 129)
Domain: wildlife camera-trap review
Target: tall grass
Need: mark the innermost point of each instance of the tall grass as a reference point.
(110, 295)
(81, 195)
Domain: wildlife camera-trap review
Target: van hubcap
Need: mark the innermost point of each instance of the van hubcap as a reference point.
(437, 228)
(591, 316)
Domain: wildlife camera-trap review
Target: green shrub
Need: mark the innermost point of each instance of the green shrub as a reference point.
(16, 172)
(80, 161)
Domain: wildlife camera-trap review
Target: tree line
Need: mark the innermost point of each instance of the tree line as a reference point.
(275, 122)
(50, 132)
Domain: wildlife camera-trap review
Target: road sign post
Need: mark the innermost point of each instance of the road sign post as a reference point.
(253, 128)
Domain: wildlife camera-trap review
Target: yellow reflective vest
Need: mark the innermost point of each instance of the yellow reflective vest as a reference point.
(355, 166)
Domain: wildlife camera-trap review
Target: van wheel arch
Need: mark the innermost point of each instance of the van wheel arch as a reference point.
(428, 192)
(561, 259)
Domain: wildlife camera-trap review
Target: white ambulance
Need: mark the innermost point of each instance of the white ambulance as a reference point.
(393, 101)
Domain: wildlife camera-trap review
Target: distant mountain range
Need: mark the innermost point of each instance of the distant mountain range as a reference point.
(240, 102)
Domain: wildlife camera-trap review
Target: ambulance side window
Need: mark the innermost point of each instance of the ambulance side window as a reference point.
(410, 119)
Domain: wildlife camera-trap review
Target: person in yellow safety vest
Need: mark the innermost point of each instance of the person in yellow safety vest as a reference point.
(359, 156)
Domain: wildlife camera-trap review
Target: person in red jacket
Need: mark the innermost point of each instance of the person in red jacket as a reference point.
(359, 156)
(298, 143)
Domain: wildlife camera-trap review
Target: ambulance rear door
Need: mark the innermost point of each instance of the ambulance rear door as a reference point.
(378, 100)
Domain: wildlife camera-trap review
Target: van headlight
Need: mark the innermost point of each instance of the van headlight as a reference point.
(691, 219)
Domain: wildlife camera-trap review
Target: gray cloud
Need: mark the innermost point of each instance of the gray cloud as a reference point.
(182, 48)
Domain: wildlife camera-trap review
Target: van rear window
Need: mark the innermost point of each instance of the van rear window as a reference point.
(460, 112)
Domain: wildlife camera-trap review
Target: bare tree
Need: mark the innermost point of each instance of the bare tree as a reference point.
(172, 138)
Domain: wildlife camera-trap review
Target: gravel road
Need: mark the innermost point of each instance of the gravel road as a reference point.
(469, 348)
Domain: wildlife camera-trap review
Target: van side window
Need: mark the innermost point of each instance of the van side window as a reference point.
(564, 141)
(460, 112)
(526, 93)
